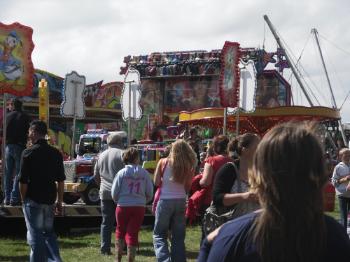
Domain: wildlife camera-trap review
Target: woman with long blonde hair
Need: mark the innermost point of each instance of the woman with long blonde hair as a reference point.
(173, 174)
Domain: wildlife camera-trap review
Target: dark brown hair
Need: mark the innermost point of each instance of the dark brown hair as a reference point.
(130, 155)
(242, 141)
(220, 144)
(288, 176)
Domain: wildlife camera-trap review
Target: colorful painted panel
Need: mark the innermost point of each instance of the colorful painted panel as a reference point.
(16, 67)
(103, 96)
(229, 76)
(272, 90)
(188, 95)
(54, 85)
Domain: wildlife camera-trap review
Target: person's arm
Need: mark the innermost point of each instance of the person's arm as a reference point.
(23, 176)
(206, 245)
(224, 180)
(344, 179)
(97, 175)
(335, 176)
(23, 190)
(188, 182)
(337, 179)
(59, 201)
(234, 198)
(149, 187)
(60, 177)
(207, 177)
(157, 173)
(116, 185)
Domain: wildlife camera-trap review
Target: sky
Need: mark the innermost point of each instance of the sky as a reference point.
(92, 37)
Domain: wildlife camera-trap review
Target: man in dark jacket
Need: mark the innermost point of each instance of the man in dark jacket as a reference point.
(41, 183)
(17, 124)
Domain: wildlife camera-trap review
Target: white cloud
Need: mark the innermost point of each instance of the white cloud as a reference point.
(92, 37)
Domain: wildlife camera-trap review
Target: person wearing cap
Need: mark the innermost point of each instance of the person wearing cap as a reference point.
(17, 125)
(107, 166)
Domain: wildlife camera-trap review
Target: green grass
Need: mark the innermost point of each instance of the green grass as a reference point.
(85, 246)
(335, 213)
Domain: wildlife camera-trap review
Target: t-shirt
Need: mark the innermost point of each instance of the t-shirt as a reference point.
(132, 186)
(341, 170)
(233, 244)
(41, 168)
(17, 125)
(107, 166)
(215, 162)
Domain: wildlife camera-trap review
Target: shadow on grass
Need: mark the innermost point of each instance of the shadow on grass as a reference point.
(191, 254)
(77, 232)
(146, 245)
(146, 252)
(14, 258)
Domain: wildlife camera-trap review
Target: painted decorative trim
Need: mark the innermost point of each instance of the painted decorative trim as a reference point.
(229, 75)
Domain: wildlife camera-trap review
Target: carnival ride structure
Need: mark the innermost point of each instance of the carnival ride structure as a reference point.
(264, 116)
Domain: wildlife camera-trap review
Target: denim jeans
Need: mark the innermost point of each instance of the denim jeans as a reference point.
(40, 233)
(108, 221)
(344, 208)
(170, 215)
(13, 154)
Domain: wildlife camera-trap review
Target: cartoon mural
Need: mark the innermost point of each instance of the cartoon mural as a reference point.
(16, 67)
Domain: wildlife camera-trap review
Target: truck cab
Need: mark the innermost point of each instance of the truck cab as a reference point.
(80, 182)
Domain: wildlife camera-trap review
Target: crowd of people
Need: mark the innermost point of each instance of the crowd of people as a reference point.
(263, 194)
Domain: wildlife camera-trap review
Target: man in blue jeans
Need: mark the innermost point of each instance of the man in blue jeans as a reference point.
(41, 169)
(17, 124)
(107, 166)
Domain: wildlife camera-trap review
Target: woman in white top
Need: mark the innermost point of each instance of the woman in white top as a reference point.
(174, 174)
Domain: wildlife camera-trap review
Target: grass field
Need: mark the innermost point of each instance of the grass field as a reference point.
(84, 246)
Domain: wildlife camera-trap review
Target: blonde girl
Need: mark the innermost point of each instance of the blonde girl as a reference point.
(174, 175)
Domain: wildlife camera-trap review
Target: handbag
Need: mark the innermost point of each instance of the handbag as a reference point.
(214, 217)
(158, 191)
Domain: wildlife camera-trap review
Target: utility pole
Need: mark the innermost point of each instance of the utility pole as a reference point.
(288, 59)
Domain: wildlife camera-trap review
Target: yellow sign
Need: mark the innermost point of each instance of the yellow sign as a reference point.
(43, 101)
